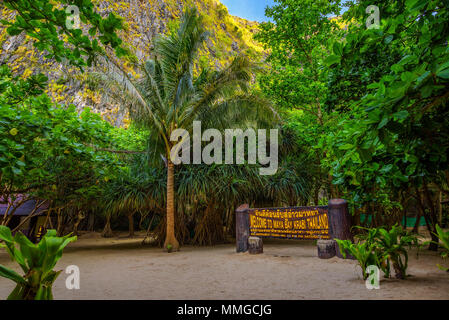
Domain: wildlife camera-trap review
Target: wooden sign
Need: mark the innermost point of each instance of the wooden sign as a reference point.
(302, 223)
(289, 223)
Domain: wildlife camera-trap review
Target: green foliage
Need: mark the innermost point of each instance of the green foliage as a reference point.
(381, 247)
(444, 238)
(169, 248)
(45, 21)
(386, 143)
(135, 188)
(363, 252)
(36, 261)
(171, 95)
(297, 38)
(374, 102)
(222, 11)
(50, 152)
(173, 25)
(141, 188)
(391, 244)
(364, 114)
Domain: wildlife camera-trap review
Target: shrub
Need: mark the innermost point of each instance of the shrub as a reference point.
(391, 245)
(382, 248)
(363, 252)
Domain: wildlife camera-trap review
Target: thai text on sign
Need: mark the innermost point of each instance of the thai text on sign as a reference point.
(294, 223)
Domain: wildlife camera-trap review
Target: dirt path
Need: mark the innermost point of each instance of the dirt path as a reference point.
(123, 269)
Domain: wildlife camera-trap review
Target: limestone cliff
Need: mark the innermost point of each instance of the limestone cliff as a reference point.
(144, 19)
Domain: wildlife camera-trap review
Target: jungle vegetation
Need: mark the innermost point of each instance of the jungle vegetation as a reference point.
(362, 115)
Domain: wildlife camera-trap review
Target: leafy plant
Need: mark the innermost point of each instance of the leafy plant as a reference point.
(382, 248)
(444, 238)
(370, 237)
(37, 262)
(363, 252)
(393, 83)
(391, 245)
(169, 248)
(44, 21)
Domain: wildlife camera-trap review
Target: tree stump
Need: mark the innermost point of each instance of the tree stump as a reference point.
(339, 222)
(255, 245)
(242, 228)
(326, 249)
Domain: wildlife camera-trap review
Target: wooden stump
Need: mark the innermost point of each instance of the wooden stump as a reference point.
(326, 249)
(339, 222)
(242, 228)
(255, 245)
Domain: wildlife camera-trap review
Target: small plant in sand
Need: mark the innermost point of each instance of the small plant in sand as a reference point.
(36, 261)
(382, 248)
(363, 252)
(169, 248)
(392, 244)
(444, 242)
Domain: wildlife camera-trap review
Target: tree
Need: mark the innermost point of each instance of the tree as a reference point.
(297, 77)
(297, 38)
(174, 91)
(135, 188)
(396, 137)
(48, 152)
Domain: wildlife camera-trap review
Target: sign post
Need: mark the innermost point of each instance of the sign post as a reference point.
(242, 228)
(339, 222)
(300, 223)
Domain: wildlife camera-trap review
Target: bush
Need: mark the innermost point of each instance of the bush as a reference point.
(382, 248)
(391, 245)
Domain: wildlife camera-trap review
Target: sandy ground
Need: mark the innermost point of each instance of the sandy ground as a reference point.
(119, 268)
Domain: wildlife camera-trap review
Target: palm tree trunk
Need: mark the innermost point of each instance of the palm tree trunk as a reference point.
(131, 224)
(60, 224)
(107, 231)
(170, 237)
(80, 216)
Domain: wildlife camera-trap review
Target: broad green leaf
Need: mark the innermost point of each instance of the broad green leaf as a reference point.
(400, 115)
(443, 74)
(382, 123)
(443, 67)
(346, 146)
(338, 49)
(331, 60)
(11, 274)
(5, 234)
(17, 293)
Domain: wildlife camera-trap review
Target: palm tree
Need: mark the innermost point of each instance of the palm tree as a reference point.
(173, 93)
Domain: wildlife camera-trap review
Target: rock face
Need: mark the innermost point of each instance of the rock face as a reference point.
(145, 19)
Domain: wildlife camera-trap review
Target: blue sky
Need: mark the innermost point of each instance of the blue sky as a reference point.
(248, 9)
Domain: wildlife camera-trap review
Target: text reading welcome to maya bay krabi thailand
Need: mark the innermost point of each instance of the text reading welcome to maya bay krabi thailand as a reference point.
(295, 223)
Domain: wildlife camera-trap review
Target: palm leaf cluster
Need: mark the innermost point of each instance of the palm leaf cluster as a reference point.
(207, 196)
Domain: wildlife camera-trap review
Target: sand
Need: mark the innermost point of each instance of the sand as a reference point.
(120, 268)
